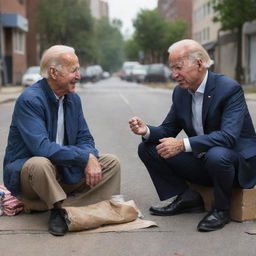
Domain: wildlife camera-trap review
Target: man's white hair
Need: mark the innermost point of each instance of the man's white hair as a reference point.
(52, 58)
(192, 50)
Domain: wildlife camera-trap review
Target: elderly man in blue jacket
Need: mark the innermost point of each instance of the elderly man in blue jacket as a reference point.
(220, 147)
(50, 151)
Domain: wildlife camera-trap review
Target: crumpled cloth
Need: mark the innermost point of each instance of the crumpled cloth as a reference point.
(10, 204)
(99, 214)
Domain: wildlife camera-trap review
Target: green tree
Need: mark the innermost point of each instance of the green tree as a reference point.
(149, 34)
(131, 49)
(154, 34)
(67, 22)
(109, 44)
(232, 14)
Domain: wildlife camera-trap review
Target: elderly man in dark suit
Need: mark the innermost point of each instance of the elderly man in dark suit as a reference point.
(220, 147)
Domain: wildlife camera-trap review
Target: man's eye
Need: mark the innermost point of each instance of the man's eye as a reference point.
(75, 70)
(176, 68)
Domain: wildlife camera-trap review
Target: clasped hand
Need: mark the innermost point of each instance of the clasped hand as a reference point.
(170, 147)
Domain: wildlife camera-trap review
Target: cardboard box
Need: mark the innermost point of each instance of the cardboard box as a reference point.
(243, 202)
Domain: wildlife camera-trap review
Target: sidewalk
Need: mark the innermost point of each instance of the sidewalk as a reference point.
(11, 93)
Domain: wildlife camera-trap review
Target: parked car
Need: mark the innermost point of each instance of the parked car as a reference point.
(158, 73)
(31, 76)
(105, 74)
(91, 73)
(127, 69)
(139, 73)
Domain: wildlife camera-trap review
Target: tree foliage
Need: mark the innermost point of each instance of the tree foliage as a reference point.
(232, 14)
(131, 49)
(70, 22)
(154, 34)
(66, 22)
(109, 44)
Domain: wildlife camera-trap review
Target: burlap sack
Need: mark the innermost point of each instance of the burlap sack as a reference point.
(96, 215)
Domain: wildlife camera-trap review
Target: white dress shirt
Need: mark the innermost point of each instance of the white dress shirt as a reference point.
(60, 122)
(197, 106)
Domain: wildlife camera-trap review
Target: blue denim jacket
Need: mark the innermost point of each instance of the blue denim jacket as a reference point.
(33, 133)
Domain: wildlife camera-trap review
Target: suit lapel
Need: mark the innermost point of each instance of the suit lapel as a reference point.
(208, 95)
(188, 117)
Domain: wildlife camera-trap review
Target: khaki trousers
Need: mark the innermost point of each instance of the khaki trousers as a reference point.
(41, 188)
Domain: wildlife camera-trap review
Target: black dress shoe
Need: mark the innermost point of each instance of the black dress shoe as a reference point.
(179, 205)
(214, 220)
(57, 222)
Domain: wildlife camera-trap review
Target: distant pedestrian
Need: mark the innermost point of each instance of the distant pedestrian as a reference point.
(220, 148)
(51, 152)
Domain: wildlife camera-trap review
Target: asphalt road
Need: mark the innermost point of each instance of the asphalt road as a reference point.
(107, 106)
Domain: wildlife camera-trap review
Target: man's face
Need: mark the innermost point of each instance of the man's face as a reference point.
(187, 72)
(68, 75)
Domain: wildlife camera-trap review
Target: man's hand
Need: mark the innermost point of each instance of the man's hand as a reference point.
(92, 171)
(138, 126)
(170, 147)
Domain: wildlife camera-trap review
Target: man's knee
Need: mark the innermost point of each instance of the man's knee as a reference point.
(110, 162)
(146, 150)
(220, 157)
(38, 166)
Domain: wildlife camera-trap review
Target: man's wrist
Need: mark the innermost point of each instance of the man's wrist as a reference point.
(182, 146)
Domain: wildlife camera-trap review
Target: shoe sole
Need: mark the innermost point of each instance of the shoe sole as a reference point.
(56, 234)
(190, 210)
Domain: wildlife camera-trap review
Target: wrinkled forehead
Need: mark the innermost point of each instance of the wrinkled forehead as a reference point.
(69, 59)
(178, 60)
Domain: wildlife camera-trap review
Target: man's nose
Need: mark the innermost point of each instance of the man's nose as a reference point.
(78, 75)
(174, 75)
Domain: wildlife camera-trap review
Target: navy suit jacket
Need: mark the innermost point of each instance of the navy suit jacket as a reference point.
(226, 122)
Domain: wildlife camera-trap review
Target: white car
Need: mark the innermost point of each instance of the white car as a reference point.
(138, 73)
(127, 69)
(31, 76)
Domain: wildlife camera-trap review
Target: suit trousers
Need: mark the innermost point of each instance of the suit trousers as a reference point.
(217, 168)
(41, 185)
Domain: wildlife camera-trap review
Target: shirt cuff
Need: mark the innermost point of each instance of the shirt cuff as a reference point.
(146, 136)
(187, 145)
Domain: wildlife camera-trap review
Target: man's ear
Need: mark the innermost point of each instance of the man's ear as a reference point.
(200, 64)
(53, 73)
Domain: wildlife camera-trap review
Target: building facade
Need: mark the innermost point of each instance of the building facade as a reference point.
(222, 45)
(13, 28)
(99, 9)
(177, 9)
(32, 36)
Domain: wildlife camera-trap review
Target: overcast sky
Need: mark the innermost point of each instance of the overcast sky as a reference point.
(127, 10)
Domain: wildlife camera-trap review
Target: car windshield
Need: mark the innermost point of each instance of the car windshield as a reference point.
(33, 70)
(156, 68)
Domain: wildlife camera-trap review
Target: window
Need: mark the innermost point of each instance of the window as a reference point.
(18, 41)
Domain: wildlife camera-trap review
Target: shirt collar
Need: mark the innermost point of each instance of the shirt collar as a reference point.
(58, 98)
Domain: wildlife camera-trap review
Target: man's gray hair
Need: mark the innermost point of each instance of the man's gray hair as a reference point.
(52, 58)
(192, 50)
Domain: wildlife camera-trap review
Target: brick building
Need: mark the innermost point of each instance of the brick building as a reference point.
(177, 9)
(32, 38)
